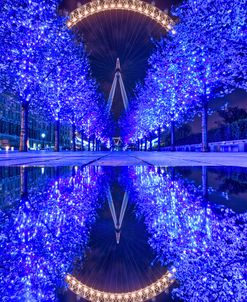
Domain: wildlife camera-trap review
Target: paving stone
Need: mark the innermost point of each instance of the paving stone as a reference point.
(43, 158)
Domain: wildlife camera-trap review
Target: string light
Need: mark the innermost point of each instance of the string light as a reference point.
(138, 6)
(142, 294)
(199, 236)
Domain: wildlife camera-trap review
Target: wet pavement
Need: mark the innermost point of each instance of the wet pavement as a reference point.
(123, 158)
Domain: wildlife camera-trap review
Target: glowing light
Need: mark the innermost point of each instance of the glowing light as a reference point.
(139, 6)
(143, 294)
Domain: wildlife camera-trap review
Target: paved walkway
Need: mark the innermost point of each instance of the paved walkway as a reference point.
(43, 158)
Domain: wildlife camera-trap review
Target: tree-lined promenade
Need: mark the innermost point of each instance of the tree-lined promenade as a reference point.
(204, 60)
(45, 66)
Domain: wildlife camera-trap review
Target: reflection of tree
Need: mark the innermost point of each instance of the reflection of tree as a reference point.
(219, 273)
(42, 238)
(18, 180)
(232, 180)
(233, 186)
(207, 246)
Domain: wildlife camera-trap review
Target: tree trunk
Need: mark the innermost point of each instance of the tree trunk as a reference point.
(94, 144)
(89, 149)
(205, 183)
(146, 143)
(73, 138)
(57, 136)
(57, 174)
(98, 145)
(205, 127)
(24, 127)
(172, 136)
(150, 141)
(138, 145)
(159, 139)
(24, 183)
(82, 142)
(172, 173)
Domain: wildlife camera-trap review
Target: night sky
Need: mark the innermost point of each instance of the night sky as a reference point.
(122, 34)
(126, 35)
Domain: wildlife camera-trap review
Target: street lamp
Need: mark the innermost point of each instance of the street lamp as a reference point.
(43, 137)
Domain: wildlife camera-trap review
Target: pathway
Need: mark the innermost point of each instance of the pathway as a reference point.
(43, 158)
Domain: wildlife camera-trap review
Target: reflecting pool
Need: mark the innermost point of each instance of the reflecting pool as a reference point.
(138, 233)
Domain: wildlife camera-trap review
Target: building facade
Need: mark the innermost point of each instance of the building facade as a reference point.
(40, 131)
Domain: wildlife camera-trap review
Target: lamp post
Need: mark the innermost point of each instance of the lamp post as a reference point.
(43, 140)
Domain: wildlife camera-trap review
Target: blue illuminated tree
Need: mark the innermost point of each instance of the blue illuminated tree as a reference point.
(46, 65)
(104, 126)
(211, 35)
(135, 123)
(44, 235)
(128, 124)
(143, 115)
(27, 24)
(165, 99)
(70, 91)
(205, 59)
(170, 90)
(206, 244)
(69, 88)
(5, 49)
(82, 104)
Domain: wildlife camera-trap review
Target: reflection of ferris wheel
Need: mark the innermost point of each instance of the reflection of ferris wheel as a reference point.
(143, 294)
(117, 220)
(109, 256)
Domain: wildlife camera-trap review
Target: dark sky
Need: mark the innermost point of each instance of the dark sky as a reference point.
(162, 4)
(127, 35)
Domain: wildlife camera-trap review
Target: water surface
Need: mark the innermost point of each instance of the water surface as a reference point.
(119, 229)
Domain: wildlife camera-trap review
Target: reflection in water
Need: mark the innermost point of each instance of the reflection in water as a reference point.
(45, 234)
(59, 222)
(117, 221)
(149, 292)
(206, 245)
(116, 269)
